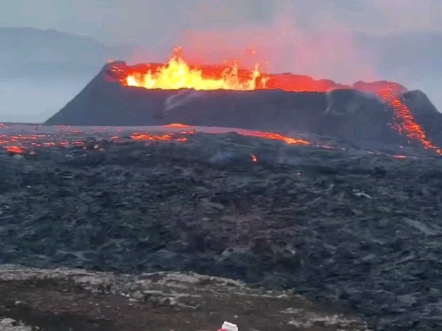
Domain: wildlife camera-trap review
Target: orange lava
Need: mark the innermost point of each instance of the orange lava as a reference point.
(274, 136)
(177, 74)
(24, 143)
(164, 137)
(179, 136)
(29, 143)
(405, 121)
(15, 149)
(175, 132)
(176, 125)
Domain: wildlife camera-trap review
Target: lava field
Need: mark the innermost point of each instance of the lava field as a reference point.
(353, 229)
(281, 181)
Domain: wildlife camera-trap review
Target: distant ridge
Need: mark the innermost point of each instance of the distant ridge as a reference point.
(51, 52)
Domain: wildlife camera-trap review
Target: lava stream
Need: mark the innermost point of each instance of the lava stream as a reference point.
(27, 143)
(406, 123)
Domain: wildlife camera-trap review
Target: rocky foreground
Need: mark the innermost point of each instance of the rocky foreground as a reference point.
(79, 300)
(347, 229)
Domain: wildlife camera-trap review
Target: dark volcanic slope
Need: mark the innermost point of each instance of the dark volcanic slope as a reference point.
(356, 230)
(349, 114)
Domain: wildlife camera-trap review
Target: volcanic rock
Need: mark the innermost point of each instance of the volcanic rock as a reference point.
(345, 228)
(355, 114)
(419, 103)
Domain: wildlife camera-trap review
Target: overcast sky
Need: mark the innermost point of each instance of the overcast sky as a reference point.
(154, 21)
(307, 36)
(313, 37)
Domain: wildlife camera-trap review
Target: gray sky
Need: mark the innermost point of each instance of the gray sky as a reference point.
(313, 37)
(154, 21)
(307, 36)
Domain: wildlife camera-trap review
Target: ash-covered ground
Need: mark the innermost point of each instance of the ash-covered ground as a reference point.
(346, 228)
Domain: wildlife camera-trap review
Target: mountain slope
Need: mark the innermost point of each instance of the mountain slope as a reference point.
(28, 52)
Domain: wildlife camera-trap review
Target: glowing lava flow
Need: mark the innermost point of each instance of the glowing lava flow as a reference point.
(273, 136)
(28, 143)
(407, 125)
(15, 149)
(189, 130)
(155, 137)
(177, 74)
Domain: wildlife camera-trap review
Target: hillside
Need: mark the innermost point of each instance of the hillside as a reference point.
(31, 52)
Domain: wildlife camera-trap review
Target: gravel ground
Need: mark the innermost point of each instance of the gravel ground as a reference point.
(347, 229)
(10, 324)
(69, 299)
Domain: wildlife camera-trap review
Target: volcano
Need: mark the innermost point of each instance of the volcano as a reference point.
(225, 95)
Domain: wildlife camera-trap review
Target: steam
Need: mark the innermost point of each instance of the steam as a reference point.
(181, 98)
(282, 41)
(316, 37)
(283, 47)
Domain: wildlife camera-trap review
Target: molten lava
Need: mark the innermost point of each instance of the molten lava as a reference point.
(405, 121)
(177, 74)
(69, 136)
(187, 130)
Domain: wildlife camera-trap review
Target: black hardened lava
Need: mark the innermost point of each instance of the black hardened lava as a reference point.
(346, 228)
